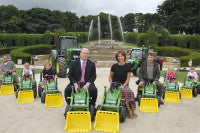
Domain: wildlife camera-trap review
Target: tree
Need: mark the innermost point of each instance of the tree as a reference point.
(180, 16)
(129, 22)
(152, 37)
(9, 18)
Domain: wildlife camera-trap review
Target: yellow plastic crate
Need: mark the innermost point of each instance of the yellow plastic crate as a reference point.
(78, 121)
(7, 89)
(53, 100)
(186, 93)
(25, 96)
(172, 97)
(149, 105)
(106, 121)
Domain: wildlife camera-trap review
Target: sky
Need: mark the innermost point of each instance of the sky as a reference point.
(89, 7)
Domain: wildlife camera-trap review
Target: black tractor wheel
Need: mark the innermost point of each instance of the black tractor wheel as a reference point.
(35, 92)
(198, 89)
(122, 113)
(194, 92)
(52, 59)
(92, 112)
(43, 97)
(16, 93)
(139, 99)
(61, 67)
(39, 90)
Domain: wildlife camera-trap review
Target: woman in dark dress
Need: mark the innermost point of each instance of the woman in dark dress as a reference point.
(121, 73)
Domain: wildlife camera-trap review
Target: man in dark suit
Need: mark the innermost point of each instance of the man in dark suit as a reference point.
(82, 70)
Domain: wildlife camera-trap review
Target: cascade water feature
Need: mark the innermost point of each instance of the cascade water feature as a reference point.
(99, 28)
(90, 29)
(121, 29)
(110, 25)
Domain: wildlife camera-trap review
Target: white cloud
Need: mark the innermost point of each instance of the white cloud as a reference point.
(90, 7)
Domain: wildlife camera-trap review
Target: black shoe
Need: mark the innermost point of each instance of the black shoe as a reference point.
(66, 110)
(161, 102)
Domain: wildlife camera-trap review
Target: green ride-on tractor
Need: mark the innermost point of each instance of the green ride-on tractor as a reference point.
(79, 113)
(49, 92)
(27, 90)
(7, 85)
(137, 57)
(198, 84)
(189, 88)
(111, 111)
(148, 100)
(66, 51)
(171, 93)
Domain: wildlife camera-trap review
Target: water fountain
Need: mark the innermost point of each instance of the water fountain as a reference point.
(121, 29)
(99, 28)
(110, 26)
(90, 29)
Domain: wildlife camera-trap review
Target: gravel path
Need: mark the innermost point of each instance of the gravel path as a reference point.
(35, 118)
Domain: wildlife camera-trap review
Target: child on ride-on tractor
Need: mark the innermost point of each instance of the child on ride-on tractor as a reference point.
(192, 74)
(48, 73)
(27, 72)
(171, 75)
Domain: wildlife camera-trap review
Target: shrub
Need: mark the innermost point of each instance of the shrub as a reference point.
(164, 39)
(152, 37)
(117, 35)
(131, 37)
(142, 39)
(184, 54)
(26, 52)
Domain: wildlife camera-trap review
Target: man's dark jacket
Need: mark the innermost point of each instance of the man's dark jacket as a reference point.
(143, 71)
(75, 72)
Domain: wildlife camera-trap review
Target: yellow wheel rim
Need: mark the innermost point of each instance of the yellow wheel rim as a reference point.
(50, 61)
(57, 67)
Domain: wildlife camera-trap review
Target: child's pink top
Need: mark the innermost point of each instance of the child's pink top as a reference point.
(172, 75)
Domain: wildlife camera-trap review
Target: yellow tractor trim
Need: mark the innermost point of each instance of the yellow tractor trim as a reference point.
(149, 105)
(50, 61)
(7, 89)
(186, 93)
(53, 100)
(57, 67)
(107, 121)
(172, 97)
(78, 121)
(25, 96)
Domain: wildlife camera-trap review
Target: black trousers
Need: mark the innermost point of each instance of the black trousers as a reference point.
(92, 91)
(161, 67)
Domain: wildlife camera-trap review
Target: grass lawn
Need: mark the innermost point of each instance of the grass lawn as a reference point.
(181, 76)
(131, 44)
(19, 70)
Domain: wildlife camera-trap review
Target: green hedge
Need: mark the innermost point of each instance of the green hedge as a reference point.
(26, 53)
(185, 41)
(184, 54)
(131, 37)
(6, 50)
(12, 40)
